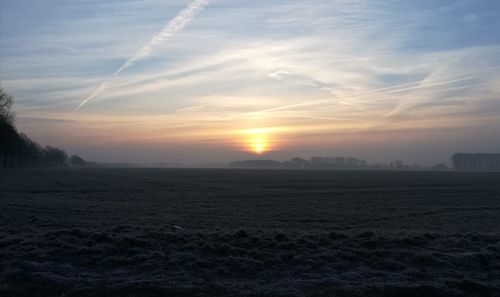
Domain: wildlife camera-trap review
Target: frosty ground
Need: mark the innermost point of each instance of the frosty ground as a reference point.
(221, 232)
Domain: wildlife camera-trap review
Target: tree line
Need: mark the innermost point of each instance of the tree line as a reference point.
(476, 161)
(460, 161)
(299, 163)
(18, 150)
(331, 163)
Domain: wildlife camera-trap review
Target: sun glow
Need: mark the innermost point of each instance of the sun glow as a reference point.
(258, 146)
(257, 140)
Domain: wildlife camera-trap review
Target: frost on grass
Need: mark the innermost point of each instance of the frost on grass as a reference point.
(260, 263)
(113, 233)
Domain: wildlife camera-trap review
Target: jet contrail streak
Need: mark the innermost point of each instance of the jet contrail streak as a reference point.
(180, 21)
(100, 89)
(384, 90)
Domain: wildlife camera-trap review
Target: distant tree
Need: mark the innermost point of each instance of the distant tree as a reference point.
(34, 151)
(8, 143)
(6, 101)
(8, 134)
(77, 161)
(458, 161)
(352, 162)
(256, 164)
(17, 149)
(318, 162)
(298, 163)
(55, 157)
(339, 162)
(363, 163)
(476, 161)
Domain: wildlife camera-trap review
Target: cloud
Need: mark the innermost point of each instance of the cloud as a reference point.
(172, 27)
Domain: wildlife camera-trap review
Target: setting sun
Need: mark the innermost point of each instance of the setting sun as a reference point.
(257, 140)
(259, 146)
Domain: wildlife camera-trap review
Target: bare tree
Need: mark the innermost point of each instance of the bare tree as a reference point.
(17, 149)
(6, 101)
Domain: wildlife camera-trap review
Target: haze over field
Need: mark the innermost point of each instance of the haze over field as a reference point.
(220, 80)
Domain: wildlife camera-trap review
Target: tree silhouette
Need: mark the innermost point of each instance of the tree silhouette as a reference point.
(476, 161)
(6, 101)
(76, 160)
(17, 149)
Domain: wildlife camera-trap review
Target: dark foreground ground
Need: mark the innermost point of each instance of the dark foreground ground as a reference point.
(112, 232)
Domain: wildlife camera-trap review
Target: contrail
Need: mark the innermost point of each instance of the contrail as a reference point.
(384, 90)
(180, 21)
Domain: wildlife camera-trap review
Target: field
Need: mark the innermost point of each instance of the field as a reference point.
(208, 232)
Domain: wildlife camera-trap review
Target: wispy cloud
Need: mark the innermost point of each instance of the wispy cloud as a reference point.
(172, 27)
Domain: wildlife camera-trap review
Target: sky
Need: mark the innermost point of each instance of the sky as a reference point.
(221, 80)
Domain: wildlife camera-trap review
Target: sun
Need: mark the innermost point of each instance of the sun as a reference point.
(258, 145)
(257, 141)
